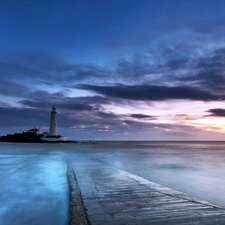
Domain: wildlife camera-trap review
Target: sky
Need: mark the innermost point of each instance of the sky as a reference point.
(116, 70)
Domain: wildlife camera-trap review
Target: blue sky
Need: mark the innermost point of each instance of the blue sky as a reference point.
(116, 70)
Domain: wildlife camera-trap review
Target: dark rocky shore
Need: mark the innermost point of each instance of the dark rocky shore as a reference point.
(21, 137)
(28, 137)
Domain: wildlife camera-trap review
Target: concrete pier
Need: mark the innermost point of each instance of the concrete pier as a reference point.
(105, 195)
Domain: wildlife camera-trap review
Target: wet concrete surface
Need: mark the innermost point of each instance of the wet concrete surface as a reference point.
(115, 197)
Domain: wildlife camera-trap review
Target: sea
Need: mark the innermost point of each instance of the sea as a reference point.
(34, 187)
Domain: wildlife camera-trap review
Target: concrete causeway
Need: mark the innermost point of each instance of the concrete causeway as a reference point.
(102, 194)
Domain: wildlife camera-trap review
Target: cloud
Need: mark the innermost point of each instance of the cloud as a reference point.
(24, 117)
(35, 68)
(107, 115)
(63, 105)
(45, 100)
(153, 92)
(11, 88)
(207, 71)
(217, 112)
(177, 63)
(76, 73)
(142, 116)
(18, 71)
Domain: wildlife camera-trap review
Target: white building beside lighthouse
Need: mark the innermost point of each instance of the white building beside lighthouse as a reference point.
(52, 135)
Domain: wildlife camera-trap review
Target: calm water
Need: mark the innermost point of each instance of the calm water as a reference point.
(34, 187)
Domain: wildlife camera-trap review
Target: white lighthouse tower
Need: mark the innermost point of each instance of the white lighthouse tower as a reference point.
(53, 136)
(53, 122)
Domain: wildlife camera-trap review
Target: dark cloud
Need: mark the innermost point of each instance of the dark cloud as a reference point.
(49, 70)
(63, 105)
(76, 73)
(35, 104)
(25, 117)
(178, 63)
(207, 71)
(3, 104)
(181, 115)
(153, 92)
(217, 112)
(142, 116)
(174, 66)
(45, 100)
(107, 115)
(42, 95)
(18, 71)
(139, 67)
(11, 88)
(211, 78)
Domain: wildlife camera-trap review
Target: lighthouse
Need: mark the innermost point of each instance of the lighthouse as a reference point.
(53, 122)
(52, 136)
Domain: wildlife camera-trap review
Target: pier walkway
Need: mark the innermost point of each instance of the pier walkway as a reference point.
(101, 194)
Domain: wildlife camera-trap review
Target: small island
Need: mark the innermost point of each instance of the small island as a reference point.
(35, 135)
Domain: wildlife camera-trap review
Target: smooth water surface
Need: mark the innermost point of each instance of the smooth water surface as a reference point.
(34, 187)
